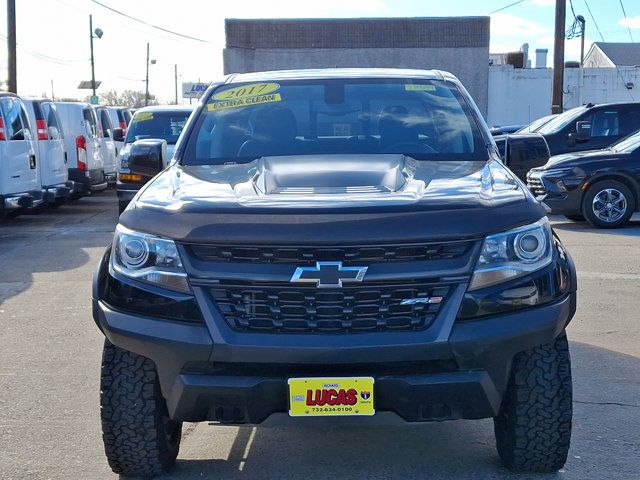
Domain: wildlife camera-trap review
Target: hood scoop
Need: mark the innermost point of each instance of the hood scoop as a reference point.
(331, 175)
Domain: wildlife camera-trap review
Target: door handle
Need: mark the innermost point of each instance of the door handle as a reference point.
(32, 162)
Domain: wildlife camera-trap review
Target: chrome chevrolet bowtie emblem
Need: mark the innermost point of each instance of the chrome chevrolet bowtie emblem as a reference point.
(328, 274)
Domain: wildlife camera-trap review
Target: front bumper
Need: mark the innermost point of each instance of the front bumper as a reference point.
(452, 370)
(563, 196)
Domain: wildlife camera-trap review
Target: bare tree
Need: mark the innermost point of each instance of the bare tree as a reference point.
(127, 98)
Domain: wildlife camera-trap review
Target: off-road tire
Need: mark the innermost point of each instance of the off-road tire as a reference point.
(595, 189)
(533, 427)
(575, 218)
(139, 438)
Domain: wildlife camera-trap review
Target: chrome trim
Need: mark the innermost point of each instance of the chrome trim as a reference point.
(301, 274)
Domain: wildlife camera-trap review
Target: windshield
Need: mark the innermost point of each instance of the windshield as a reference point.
(561, 121)
(422, 119)
(536, 124)
(162, 125)
(628, 144)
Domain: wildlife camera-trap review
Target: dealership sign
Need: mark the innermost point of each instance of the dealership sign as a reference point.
(194, 90)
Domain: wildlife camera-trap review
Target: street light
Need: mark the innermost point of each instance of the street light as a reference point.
(146, 82)
(97, 33)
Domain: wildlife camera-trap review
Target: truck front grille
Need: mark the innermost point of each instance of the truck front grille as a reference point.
(536, 186)
(308, 255)
(372, 307)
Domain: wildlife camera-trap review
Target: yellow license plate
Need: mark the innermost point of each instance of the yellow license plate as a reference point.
(311, 397)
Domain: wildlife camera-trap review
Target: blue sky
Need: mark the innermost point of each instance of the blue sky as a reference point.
(53, 34)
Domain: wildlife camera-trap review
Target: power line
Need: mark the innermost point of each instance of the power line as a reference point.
(506, 6)
(155, 26)
(602, 37)
(594, 20)
(625, 16)
(42, 56)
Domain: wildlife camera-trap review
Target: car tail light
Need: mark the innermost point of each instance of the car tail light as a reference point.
(81, 148)
(123, 126)
(2, 134)
(43, 132)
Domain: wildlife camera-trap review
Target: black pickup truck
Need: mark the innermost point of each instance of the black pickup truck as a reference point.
(326, 247)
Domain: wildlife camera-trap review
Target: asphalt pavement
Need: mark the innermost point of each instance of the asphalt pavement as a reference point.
(50, 359)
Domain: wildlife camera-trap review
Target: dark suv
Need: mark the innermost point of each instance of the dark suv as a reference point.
(158, 122)
(336, 244)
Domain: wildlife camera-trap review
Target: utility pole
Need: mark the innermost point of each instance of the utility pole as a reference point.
(175, 68)
(53, 96)
(582, 21)
(558, 57)
(146, 82)
(93, 73)
(12, 83)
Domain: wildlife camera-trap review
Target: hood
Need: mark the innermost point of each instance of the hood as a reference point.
(574, 159)
(274, 194)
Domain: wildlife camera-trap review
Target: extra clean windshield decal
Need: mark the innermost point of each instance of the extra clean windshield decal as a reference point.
(246, 95)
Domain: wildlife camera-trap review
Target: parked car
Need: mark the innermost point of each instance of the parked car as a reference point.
(504, 129)
(591, 127)
(333, 243)
(166, 123)
(537, 124)
(107, 144)
(601, 186)
(19, 180)
(522, 152)
(82, 143)
(50, 154)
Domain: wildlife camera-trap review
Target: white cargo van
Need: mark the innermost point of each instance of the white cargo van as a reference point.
(120, 118)
(109, 150)
(19, 182)
(82, 144)
(50, 153)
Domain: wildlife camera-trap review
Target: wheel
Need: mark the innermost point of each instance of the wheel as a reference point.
(139, 438)
(575, 218)
(608, 204)
(533, 426)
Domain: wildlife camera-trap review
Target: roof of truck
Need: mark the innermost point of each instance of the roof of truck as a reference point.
(328, 73)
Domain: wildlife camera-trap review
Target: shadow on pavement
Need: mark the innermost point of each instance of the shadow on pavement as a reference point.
(52, 241)
(604, 439)
(561, 223)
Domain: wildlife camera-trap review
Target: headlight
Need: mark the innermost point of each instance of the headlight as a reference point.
(124, 158)
(512, 254)
(148, 259)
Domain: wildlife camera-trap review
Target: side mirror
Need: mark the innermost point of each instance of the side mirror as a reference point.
(524, 151)
(583, 133)
(118, 135)
(146, 157)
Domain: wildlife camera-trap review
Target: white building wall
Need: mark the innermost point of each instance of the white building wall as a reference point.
(518, 96)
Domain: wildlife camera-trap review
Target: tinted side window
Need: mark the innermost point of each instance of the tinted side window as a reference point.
(25, 121)
(12, 118)
(53, 125)
(605, 123)
(630, 120)
(105, 122)
(90, 123)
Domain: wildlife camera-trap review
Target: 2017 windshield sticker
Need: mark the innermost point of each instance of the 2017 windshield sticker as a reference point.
(416, 87)
(246, 91)
(142, 116)
(244, 102)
